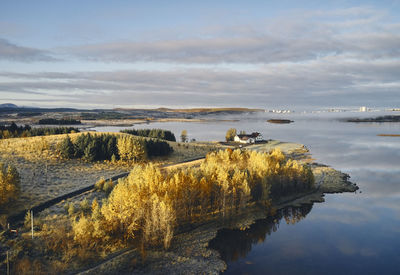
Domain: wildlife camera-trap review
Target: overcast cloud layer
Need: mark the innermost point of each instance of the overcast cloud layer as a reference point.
(12, 52)
(345, 57)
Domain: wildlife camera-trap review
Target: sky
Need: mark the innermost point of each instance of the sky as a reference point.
(146, 54)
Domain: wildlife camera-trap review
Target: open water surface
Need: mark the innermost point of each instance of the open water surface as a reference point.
(350, 233)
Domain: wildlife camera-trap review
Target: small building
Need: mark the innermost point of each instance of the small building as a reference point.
(252, 138)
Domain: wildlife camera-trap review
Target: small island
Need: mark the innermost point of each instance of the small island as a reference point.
(280, 121)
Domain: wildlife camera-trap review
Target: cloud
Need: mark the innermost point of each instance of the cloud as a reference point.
(321, 82)
(347, 57)
(12, 52)
(207, 51)
(359, 33)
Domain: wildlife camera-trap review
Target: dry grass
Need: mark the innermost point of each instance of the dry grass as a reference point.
(292, 150)
(44, 175)
(185, 151)
(194, 163)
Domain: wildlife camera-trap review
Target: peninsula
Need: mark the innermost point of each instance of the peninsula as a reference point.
(95, 217)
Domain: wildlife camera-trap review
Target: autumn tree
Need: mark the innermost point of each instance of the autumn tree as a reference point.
(131, 149)
(148, 205)
(230, 134)
(9, 184)
(184, 136)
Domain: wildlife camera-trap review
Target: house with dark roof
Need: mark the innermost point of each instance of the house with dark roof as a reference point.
(252, 138)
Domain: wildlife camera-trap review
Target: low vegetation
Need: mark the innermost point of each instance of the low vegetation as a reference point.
(104, 186)
(14, 131)
(151, 133)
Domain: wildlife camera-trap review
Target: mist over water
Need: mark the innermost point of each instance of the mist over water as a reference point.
(349, 233)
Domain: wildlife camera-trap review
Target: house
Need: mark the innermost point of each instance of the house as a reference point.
(252, 138)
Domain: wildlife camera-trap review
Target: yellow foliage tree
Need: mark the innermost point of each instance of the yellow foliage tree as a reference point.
(131, 148)
(149, 203)
(9, 184)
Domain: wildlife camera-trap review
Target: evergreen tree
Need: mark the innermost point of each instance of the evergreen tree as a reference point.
(66, 148)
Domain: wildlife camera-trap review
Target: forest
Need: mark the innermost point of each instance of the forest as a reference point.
(92, 147)
(54, 121)
(146, 208)
(15, 131)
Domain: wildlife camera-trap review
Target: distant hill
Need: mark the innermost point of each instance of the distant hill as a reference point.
(195, 110)
(8, 105)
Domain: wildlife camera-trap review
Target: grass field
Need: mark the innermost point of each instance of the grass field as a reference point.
(44, 175)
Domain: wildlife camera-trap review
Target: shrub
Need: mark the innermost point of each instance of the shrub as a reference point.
(71, 209)
(99, 184)
(85, 207)
(108, 187)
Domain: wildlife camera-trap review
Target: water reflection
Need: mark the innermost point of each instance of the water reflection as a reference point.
(349, 233)
(234, 244)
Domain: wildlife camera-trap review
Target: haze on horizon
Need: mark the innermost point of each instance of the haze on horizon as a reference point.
(286, 54)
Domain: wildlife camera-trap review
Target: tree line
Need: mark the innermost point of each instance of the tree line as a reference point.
(15, 131)
(92, 147)
(146, 207)
(54, 121)
(151, 133)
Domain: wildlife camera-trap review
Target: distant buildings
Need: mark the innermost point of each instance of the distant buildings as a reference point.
(252, 138)
(363, 109)
(279, 111)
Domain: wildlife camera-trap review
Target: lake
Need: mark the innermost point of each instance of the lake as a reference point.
(350, 233)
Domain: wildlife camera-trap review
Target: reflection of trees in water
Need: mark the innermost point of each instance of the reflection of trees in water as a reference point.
(233, 244)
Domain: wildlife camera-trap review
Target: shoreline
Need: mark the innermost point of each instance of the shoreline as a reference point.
(190, 251)
(131, 122)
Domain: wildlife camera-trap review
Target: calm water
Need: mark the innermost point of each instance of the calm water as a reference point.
(349, 233)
